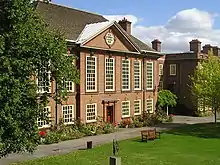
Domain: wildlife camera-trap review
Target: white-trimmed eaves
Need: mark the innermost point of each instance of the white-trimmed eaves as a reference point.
(92, 30)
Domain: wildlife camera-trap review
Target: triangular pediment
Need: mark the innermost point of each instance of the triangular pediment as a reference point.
(107, 35)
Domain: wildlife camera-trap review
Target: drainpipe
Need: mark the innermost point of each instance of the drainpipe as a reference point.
(143, 82)
(56, 105)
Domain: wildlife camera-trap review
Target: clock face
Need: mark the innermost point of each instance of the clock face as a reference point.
(109, 38)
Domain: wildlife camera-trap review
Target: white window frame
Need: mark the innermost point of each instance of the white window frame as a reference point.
(71, 85)
(152, 74)
(139, 107)
(41, 90)
(171, 71)
(113, 83)
(139, 76)
(152, 107)
(129, 75)
(73, 114)
(160, 87)
(160, 69)
(49, 116)
(129, 109)
(95, 90)
(91, 121)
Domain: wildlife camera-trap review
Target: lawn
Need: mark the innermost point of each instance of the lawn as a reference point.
(188, 145)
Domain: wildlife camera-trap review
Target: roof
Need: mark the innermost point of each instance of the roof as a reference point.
(72, 22)
(68, 20)
(141, 44)
(92, 29)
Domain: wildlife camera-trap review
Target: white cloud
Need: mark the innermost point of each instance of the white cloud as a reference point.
(178, 31)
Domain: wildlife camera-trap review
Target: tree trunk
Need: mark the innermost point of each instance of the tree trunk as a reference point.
(215, 116)
(167, 110)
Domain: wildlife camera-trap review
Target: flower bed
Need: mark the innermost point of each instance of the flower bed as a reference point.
(75, 131)
(146, 119)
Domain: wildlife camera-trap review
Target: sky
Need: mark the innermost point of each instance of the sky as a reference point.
(173, 22)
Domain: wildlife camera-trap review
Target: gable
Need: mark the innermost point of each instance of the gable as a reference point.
(119, 43)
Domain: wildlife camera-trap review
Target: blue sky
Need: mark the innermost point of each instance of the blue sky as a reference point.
(174, 22)
(151, 12)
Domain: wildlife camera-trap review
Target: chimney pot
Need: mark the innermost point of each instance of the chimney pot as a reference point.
(156, 45)
(126, 25)
(195, 45)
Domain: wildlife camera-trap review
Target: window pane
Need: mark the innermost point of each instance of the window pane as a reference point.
(137, 107)
(91, 112)
(125, 74)
(109, 74)
(68, 114)
(149, 75)
(90, 73)
(137, 74)
(125, 108)
(149, 106)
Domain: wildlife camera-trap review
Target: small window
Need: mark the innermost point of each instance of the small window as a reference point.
(69, 86)
(91, 113)
(160, 86)
(173, 69)
(125, 108)
(160, 69)
(149, 106)
(137, 107)
(68, 114)
(91, 84)
(109, 74)
(43, 81)
(45, 123)
(125, 74)
(150, 75)
(137, 75)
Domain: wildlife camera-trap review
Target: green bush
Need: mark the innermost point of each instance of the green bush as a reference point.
(77, 130)
(52, 137)
(108, 128)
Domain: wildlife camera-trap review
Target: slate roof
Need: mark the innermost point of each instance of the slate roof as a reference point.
(72, 21)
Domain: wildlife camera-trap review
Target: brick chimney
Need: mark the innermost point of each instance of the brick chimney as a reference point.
(126, 25)
(195, 45)
(156, 45)
(206, 48)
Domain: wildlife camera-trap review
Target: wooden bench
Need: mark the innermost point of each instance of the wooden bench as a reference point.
(150, 134)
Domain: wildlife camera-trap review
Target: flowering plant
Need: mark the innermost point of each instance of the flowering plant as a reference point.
(43, 133)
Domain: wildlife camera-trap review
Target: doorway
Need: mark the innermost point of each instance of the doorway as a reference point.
(109, 114)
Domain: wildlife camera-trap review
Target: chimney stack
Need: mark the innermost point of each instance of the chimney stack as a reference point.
(156, 45)
(126, 25)
(195, 46)
(206, 48)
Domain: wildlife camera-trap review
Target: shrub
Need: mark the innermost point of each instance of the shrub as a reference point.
(52, 137)
(108, 128)
(137, 122)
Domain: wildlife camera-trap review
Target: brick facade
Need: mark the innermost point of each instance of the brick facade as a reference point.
(106, 104)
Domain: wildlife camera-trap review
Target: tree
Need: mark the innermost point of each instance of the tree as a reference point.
(166, 99)
(28, 49)
(206, 83)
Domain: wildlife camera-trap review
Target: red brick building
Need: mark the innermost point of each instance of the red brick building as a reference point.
(119, 74)
(177, 69)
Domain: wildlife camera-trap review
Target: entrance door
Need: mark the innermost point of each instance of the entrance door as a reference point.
(109, 114)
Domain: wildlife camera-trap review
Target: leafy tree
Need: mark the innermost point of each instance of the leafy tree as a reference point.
(27, 47)
(166, 99)
(206, 83)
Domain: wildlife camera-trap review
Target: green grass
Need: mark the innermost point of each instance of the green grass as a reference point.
(188, 145)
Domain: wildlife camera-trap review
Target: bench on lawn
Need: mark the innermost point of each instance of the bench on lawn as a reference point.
(150, 134)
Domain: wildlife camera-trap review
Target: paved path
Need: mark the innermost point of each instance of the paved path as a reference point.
(69, 146)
